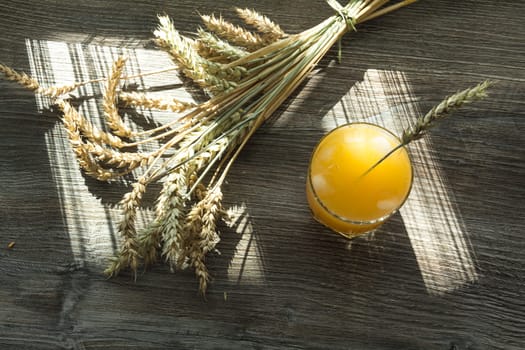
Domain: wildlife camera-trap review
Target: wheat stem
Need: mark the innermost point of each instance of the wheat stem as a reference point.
(386, 10)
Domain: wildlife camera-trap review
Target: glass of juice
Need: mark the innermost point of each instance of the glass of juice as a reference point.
(343, 193)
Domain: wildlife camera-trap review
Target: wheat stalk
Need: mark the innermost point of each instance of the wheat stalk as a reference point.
(170, 213)
(57, 91)
(442, 110)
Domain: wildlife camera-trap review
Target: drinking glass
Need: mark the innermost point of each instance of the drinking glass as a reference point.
(345, 191)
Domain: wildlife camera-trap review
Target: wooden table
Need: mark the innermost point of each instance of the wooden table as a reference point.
(447, 272)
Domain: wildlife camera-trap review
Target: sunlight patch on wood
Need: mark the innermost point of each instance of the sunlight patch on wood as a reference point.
(91, 218)
(435, 227)
(431, 219)
(246, 265)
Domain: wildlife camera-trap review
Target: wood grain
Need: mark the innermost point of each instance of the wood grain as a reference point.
(447, 272)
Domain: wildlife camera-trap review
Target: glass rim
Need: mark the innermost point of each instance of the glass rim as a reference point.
(344, 219)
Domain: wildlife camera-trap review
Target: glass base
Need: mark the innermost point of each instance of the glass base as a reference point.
(349, 233)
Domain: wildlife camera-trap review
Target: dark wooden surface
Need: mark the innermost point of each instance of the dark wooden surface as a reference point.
(447, 272)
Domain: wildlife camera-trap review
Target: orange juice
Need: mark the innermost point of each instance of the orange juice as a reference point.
(340, 192)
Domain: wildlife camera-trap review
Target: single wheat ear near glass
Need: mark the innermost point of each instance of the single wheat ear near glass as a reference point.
(247, 74)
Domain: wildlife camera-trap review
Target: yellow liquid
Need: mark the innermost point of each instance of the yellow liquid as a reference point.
(339, 196)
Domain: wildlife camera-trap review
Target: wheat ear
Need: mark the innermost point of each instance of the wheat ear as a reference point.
(80, 148)
(271, 31)
(117, 159)
(141, 100)
(201, 235)
(32, 84)
(181, 182)
(165, 229)
(217, 50)
(88, 130)
(210, 75)
(442, 110)
(129, 251)
(90, 154)
(234, 34)
(170, 214)
(149, 239)
(111, 114)
(58, 90)
(21, 78)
